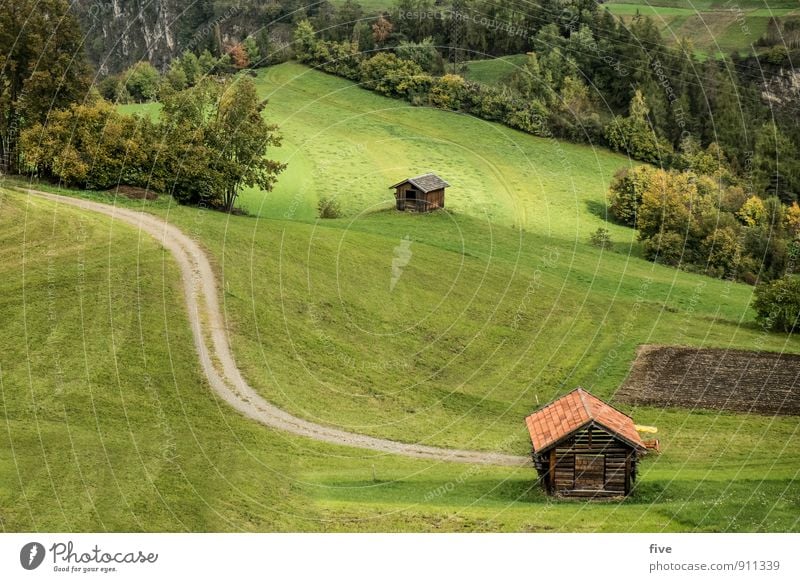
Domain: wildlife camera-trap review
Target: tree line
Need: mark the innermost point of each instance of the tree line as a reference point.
(208, 142)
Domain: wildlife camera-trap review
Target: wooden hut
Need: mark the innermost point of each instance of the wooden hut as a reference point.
(583, 447)
(421, 193)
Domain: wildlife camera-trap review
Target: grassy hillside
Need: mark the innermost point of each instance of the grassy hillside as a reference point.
(483, 324)
(341, 141)
(351, 144)
(485, 321)
(714, 27)
(710, 4)
(162, 454)
(494, 71)
(370, 6)
(108, 426)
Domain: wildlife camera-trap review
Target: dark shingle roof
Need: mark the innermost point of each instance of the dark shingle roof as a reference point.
(425, 182)
(573, 411)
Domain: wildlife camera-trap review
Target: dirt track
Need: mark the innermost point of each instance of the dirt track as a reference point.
(211, 343)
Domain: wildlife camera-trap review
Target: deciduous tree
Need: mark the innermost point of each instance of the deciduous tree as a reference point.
(777, 304)
(42, 68)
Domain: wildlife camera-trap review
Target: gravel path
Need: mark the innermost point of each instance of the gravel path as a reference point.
(211, 343)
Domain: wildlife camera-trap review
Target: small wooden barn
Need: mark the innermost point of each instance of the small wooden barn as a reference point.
(421, 193)
(583, 447)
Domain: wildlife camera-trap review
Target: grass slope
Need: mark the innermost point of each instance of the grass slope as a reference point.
(344, 142)
(149, 448)
(709, 4)
(108, 426)
(484, 321)
(352, 144)
(495, 71)
(482, 324)
(714, 27)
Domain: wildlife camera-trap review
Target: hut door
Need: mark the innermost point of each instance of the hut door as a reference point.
(590, 472)
(411, 199)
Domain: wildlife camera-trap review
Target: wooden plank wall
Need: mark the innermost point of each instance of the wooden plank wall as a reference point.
(615, 465)
(433, 199)
(400, 194)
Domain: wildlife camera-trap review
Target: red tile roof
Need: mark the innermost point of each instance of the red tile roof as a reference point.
(571, 412)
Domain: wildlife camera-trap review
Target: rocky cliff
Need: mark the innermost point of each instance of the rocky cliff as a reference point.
(121, 32)
(782, 88)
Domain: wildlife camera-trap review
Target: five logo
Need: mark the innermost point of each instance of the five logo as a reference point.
(31, 555)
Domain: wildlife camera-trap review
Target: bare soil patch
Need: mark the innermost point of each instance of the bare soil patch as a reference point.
(134, 192)
(714, 379)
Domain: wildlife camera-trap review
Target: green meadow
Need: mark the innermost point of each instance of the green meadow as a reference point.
(343, 142)
(502, 306)
(494, 71)
(714, 27)
(708, 4)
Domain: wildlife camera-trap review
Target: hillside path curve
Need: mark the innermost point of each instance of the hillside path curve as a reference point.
(212, 345)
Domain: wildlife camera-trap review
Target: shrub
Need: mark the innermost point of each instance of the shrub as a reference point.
(305, 41)
(388, 75)
(601, 238)
(90, 146)
(777, 304)
(423, 53)
(666, 205)
(666, 248)
(625, 193)
(752, 212)
(722, 250)
(448, 92)
(142, 81)
(329, 208)
(635, 136)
